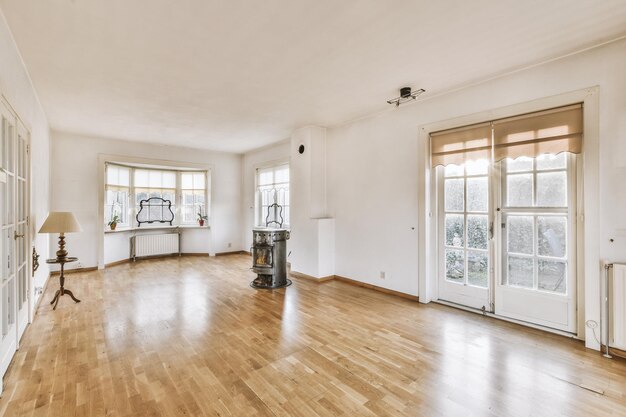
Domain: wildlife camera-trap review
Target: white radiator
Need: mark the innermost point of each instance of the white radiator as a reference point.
(618, 302)
(158, 244)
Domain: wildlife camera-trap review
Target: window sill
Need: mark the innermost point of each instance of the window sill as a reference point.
(136, 229)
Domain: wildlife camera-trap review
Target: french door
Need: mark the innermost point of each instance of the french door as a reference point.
(507, 238)
(15, 286)
(465, 248)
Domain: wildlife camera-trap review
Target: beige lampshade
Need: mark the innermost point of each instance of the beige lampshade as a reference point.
(60, 222)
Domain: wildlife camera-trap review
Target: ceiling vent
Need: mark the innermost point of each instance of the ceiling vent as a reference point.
(406, 95)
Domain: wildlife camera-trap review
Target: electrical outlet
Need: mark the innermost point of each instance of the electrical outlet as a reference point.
(382, 274)
(230, 244)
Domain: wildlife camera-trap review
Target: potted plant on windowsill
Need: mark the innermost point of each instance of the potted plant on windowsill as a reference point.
(114, 221)
(201, 219)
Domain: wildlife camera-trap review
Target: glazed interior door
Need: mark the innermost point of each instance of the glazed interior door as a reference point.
(21, 238)
(537, 235)
(464, 243)
(8, 310)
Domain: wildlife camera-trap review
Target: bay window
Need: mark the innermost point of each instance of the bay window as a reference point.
(127, 186)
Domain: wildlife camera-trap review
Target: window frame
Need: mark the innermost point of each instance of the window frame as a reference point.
(260, 214)
(193, 190)
(132, 204)
(108, 187)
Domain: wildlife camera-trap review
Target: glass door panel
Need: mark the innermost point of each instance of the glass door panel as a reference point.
(8, 337)
(537, 234)
(464, 226)
(22, 237)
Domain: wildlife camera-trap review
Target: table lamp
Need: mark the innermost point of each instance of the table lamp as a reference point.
(61, 222)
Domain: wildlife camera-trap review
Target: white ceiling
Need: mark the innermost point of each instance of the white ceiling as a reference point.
(233, 75)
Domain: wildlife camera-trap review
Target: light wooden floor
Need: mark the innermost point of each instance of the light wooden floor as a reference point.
(189, 337)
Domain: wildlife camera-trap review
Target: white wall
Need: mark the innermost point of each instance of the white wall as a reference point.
(74, 167)
(265, 156)
(15, 85)
(372, 165)
(311, 229)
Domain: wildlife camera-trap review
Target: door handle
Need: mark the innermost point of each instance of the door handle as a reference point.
(490, 230)
(15, 235)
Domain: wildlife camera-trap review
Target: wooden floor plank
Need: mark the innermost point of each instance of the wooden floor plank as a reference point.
(188, 336)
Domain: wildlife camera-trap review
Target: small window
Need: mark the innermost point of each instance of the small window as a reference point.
(117, 190)
(193, 186)
(272, 187)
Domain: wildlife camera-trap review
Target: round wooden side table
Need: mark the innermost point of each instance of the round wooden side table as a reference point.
(62, 291)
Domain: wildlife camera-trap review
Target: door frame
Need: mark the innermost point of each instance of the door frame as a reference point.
(28, 236)
(589, 266)
(20, 127)
(31, 232)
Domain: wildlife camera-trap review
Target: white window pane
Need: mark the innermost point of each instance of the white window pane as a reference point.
(110, 197)
(477, 269)
(552, 276)
(455, 265)
(155, 213)
(169, 179)
(479, 167)
(477, 194)
(187, 197)
(552, 189)
(155, 179)
(264, 197)
(198, 181)
(548, 161)
(519, 191)
(455, 230)
(280, 196)
(112, 175)
(520, 271)
(188, 214)
(108, 210)
(454, 194)
(140, 195)
(520, 234)
(281, 174)
(477, 231)
(266, 177)
(522, 163)
(552, 236)
(187, 181)
(124, 176)
(169, 195)
(142, 178)
(454, 170)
